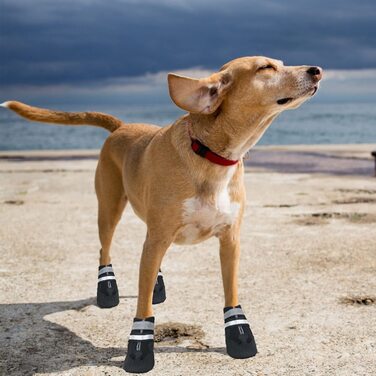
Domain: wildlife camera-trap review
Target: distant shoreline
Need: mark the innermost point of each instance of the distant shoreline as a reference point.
(313, 123)
(361, 147)
(351, 159)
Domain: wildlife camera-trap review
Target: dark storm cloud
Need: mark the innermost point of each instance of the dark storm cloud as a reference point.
(76, 41)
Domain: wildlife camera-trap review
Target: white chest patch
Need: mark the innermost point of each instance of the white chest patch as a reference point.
(202, 219)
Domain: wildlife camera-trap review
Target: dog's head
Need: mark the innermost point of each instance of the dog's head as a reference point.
(247, 85)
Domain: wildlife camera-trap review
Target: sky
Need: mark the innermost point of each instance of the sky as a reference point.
(49, 41)
(49, 46)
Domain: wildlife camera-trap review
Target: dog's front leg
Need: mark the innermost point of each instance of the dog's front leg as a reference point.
(140, 354)
(229, 254)
(240, 342)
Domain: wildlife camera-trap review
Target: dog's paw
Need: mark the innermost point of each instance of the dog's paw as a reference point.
(140, 353)
(107, 291)
(240, 343)
(159, 293)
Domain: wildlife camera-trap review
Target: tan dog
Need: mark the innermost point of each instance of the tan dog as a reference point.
(183, 197)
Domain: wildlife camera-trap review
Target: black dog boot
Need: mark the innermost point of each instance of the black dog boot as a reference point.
(107, 291)
(159, 293)
(240, 342)
(140, 354)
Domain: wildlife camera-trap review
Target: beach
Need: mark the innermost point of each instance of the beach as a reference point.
(307, 272)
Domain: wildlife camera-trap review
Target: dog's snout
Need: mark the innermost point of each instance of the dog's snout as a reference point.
(315, 72)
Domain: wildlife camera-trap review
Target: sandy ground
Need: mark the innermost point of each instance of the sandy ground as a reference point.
(307, 276)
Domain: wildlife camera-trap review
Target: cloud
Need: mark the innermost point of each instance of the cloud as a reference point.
(143, 89)
(338, 85)
(76, 42)
(348, 74)
(126, 85)
(350, 85)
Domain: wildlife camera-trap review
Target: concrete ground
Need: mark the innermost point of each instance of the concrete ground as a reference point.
(307, 276)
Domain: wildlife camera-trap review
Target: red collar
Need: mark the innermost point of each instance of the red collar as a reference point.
(204, 152)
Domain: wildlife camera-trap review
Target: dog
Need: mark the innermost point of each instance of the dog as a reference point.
(185, 181)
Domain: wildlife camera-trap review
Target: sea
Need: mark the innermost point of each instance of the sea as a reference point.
(313, 123)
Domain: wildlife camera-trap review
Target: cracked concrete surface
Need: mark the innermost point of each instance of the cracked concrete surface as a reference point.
(308, 266)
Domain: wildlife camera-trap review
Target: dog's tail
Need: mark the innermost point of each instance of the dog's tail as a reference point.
(98, 119)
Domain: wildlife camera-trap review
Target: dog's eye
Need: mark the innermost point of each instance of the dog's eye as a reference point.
(268, 66)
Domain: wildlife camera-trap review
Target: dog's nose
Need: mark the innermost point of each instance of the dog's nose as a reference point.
(315, 72)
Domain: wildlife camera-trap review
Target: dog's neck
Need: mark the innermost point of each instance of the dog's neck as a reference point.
(229, 136)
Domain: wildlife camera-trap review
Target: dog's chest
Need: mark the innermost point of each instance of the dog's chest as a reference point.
(202, 219)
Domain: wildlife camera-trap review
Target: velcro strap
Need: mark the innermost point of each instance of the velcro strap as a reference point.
(106, 269)
(236, 322)
(233, 312)
(106, 278)
(143, 325)
(141, 337)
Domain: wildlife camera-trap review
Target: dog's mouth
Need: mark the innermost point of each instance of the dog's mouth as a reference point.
(315, 88)
(311, 92)
(284, 100)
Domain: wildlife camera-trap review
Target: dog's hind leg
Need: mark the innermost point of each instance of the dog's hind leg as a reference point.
(159, 293)
(111, 203)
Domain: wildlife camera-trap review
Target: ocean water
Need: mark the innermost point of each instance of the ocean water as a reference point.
(313, 123)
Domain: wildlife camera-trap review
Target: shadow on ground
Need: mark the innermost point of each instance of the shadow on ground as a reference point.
(310, 162)
(30, 343)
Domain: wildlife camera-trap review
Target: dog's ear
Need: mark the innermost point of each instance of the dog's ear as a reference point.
(199, 95)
